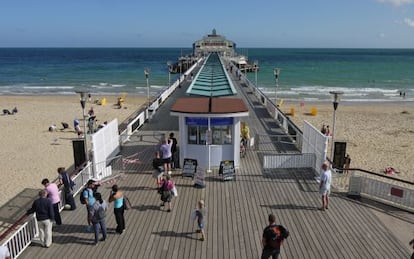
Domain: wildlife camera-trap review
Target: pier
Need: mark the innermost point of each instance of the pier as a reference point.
(237, 209)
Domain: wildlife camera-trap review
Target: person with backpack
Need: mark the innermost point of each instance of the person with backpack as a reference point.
(272, 239)
(166, 191)
(97, 215)
(87, 198)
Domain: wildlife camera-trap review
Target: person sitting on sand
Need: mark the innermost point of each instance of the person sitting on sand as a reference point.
(6, 112)
(14, 110)
(52, 128)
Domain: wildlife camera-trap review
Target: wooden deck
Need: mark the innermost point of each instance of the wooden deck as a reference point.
(237, 211)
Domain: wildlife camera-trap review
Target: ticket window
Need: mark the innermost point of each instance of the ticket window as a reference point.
(221, 135)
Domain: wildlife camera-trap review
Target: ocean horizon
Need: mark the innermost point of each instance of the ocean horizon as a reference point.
(305, 73)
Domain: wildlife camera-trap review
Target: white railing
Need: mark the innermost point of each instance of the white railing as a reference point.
(24, 233)
(23, 237)
(386, 189)
(284, 122)
(146, 114)
(284, 161)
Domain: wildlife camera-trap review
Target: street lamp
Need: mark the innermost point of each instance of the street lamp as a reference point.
(256, 65)
(147, 73)
(336, 96)
(169, 73)
(82, 102)
(276, 72)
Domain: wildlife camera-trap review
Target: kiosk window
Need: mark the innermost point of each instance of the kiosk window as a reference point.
(221, 135)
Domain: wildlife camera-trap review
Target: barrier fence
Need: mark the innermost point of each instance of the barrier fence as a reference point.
(383, 188)
(285, 161)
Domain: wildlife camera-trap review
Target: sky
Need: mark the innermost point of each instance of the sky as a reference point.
(251, 24)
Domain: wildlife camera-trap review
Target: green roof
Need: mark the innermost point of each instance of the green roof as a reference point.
(212, 79)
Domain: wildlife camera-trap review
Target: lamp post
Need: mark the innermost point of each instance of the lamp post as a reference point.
(256, 64)
(336, 96)
(276, 72)
(147, 73)
(169, 73)
(82, 102)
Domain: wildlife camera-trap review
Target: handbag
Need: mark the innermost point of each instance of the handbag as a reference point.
(174, 191)
(127, 203)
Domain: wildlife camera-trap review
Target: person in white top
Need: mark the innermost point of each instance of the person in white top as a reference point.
(325, 185)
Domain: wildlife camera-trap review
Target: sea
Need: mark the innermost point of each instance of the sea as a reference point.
(305, 74)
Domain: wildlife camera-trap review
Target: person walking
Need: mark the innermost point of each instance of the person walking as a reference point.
(325, 185)
(272, 238)
(68, 185)
(166, 188)
(200, 213)
(174, 152)
(347, 163)
(165, 150)
(44, 214)
(98, 214)
(53, 195)
(118, 198)
(158, 165)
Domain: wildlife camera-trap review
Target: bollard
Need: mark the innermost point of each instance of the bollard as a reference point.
(292, 111)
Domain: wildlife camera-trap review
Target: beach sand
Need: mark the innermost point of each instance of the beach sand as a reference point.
(377, 135)
(30, 152)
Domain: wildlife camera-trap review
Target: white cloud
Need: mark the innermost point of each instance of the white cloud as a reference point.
(409, 22)
(397, 2)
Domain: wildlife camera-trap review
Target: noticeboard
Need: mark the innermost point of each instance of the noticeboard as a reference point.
(199, 179)
(227, 169)
(189, 167)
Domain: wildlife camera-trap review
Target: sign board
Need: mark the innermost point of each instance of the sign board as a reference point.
(189, 167)
(227, 169)
(199, 179)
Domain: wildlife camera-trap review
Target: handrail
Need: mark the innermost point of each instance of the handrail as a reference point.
(376, 174)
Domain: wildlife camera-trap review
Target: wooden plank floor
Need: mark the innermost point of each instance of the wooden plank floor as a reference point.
(237, 213)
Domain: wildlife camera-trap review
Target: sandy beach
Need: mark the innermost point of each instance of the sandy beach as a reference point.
(377, 135)
(30, 152)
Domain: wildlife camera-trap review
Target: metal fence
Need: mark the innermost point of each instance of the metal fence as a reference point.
(284, 161)
(25, 229)
(383, 188)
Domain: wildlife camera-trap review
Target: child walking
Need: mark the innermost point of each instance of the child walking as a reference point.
(200, 215)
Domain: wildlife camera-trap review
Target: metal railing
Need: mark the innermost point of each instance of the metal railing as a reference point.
(25, 229)
(22, 238)
(383, 188)
(284, 161)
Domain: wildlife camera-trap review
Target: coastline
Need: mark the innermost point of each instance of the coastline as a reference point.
(29, 151)
(378, 135)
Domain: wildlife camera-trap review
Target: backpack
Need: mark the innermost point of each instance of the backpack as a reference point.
(81, 198)
(276, 234)
(99, 214)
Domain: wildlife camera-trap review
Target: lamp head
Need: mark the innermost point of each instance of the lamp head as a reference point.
(82, 99)
(336, 97)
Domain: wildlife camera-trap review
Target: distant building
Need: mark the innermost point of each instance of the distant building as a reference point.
(214, 43)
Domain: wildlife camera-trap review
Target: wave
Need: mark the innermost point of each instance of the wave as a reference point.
(47, 87)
